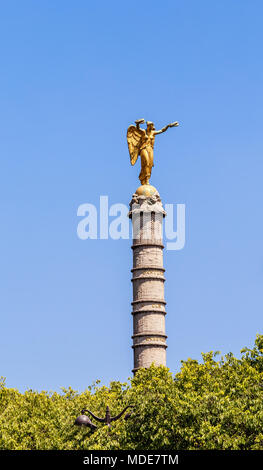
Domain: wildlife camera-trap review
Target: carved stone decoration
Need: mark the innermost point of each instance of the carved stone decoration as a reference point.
(141, 203)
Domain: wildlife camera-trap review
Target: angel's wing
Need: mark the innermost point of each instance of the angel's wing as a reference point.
(134, 136)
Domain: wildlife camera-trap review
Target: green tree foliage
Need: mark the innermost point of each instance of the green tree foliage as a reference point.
(213, 405)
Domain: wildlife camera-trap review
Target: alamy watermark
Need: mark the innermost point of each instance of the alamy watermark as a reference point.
(113, 222)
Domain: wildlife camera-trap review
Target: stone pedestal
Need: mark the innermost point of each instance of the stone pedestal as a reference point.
(149, 338)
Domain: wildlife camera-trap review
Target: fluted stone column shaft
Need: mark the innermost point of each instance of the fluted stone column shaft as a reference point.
(149, 338)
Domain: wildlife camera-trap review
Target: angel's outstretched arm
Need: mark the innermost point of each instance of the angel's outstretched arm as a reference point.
(164, 129)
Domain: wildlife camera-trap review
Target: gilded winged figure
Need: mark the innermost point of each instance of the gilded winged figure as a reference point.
(141, 142)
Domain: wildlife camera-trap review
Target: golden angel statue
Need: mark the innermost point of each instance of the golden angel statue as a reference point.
(141, 142)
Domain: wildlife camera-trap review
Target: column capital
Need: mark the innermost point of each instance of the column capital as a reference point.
(141, 203)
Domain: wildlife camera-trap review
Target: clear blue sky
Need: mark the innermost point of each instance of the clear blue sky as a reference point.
(73, 76)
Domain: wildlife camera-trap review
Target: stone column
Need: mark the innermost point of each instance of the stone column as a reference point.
(149, 338)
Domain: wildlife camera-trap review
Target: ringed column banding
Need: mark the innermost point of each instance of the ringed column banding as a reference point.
(149, 338)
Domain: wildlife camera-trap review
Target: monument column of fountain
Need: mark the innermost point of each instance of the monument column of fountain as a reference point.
(149, 338)
(147, 213)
